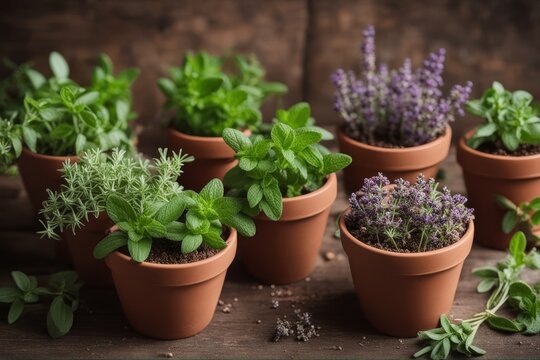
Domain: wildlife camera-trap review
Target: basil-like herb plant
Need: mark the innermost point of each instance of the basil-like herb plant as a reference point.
(524, 216)
(206, 99)
(59, 117)
(189, 218)
(509, 116)
(287, 162)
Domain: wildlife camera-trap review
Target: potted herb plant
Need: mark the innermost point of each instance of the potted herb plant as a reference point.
(395, 122)
(406, 246)
(169, 260)
(206, 100)
(60, 119)
(501, 157)
(77, 211)
(288, 177)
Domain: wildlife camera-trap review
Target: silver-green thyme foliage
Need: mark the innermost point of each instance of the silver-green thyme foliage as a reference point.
(62, 290)
(190, 219)
(208, 99)
(287, 162)
(89, 182)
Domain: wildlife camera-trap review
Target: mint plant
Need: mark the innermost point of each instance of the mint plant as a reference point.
(188, 218)
(59, 117)
(509, 116)
(207, 100)
(524, 216)
(62, 289)
(288, 162)
(503, 282)
(88, 183)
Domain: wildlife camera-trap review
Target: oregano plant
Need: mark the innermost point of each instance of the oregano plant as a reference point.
(524, 216)
(288, 162)
(62, 290)
(189, 219)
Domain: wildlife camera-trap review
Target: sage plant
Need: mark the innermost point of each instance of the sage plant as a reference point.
(407, 217)
(396, 108)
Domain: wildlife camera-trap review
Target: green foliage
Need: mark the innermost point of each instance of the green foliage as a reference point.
(88, 183)
(524, 217)
(56, 116)
(509, 116)
(288, 162)
(505, 286)
(188, 218)
(208, 100)
(63, 290)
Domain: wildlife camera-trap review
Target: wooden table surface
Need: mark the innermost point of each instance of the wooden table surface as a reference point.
(328, 294)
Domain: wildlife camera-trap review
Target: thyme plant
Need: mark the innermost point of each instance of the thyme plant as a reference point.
(88, 184)
(287, 162)
(206, 99)
(407, 217)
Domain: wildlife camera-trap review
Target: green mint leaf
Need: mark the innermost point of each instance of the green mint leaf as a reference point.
(62, 131)
(227, 206)
(208, 86)
(155, 229)
(59, 318)
(535, 204)
(306, 138)
(506, 203)
(30, 137)
(272, 204)
(89, 119)
(15, 311)
(237, 140)
(282, 135)
(475, 107)
(167, 87)
(423, 351)
(535, 218)
(518, 243)
(486, 130)
(9, 294)
(134, 235)
(119, 210)
(59, 66)
(176, 231)
(196, 223)
(298, 115)
(254, 195)
(22, 281)
(504, 324)
(212, 190)
(87, 98)
(191, 243)
(140, 250)
(172, 210)
(236, 97)
(214, 240)
(36, 78)
(509, 221)
(335, 162)
(122, 110)
(247, 164)
(510, 140)
(110, 243)
(242, 223)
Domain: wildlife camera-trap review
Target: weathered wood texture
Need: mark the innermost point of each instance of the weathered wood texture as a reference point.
(329, 296)
(486, 40)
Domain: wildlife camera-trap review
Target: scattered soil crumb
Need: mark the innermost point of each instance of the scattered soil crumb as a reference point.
(167, 355)
(329, 255)
(275, 304)
(221, 302)
(226, 310)
(308, 279)
(258, 321)
(235, 299)
(400, 341)
(302, 328)
(337, 347)
(272, 286)
(283, 329)
(260, 287)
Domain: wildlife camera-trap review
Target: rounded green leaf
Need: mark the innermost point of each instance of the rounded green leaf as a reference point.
(59, 318)
(212, 190)
(15, 311)
(109, 244)
(140, 250)
(58, 66)
(119, 209)
(191, 243)
(509, 221)
(9, 294)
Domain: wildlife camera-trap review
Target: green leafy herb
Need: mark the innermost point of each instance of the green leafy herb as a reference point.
(503, 282)
(509, 116)
(289, 162)
(524, 217)
(188, 218)
(63, 290)
(208, 100)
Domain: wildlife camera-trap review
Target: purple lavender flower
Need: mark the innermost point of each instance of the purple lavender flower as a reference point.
(396, 107)
(408, 217)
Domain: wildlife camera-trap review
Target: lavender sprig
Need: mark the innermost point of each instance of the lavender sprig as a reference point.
(399, 107)
(408, 217)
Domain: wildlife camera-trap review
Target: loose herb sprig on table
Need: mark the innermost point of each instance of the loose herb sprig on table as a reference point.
(290, 162)
(63, 290)
(509, 116)
(503, 282)
(524, 216)
(207, 99)
(205, 214)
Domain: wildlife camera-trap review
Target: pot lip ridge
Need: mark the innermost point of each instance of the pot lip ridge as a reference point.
(473, 152)
(30, 153)
(342, 135)
(464, 238)
(155, 266)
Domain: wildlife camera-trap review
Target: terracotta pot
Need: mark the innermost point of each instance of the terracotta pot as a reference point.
(41, 172)
(213, 158)
(170, 301)
(487, 175)
(286, 250)
(81, 247)
(403, 293)
(406, 163)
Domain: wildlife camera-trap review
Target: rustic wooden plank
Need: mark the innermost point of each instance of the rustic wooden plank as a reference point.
(329, 296)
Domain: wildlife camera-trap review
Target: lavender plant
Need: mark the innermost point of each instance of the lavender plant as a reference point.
(407, 217)
(396, 108)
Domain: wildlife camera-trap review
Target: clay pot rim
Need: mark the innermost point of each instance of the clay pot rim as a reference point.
(464, 238)
(198, 138)
(156, 266)
(410, 149)
(29, 152)
(509, 158)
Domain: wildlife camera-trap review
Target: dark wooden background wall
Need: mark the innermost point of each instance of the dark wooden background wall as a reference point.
(301, 42)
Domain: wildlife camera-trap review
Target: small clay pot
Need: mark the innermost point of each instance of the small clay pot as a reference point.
(41, 172)
(286, 250)
(487, 175)
(406, 163)
(403, 293)
(213, 158)
(170, 301)
(81, 247)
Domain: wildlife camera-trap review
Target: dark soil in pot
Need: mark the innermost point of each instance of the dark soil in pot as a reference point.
(497, 148)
